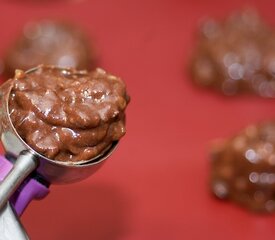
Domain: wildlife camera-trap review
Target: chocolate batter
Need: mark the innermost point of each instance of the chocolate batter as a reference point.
(236, 55)
(49, 42)
(243, 168)
(68, 115)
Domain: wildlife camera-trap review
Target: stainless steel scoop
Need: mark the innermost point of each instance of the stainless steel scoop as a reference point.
(27, 159)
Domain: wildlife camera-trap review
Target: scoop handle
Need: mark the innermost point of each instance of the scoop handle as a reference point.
(23, 166)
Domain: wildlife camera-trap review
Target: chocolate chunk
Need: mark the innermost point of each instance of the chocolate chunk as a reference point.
(49, 42)
(243, 168)
(236, 55)
(68, 115)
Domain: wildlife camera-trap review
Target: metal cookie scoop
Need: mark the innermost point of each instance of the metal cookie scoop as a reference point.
(25, 160)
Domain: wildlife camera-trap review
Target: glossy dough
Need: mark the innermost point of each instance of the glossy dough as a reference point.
(68, 115)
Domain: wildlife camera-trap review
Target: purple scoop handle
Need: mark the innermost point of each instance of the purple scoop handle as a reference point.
(5, 167)
(29, 190)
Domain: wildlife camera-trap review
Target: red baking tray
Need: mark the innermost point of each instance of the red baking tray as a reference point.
(155, 186)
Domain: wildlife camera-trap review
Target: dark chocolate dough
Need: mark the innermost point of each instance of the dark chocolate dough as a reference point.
(243, 168)
(49, 42)
(68, 115)
(236, 55)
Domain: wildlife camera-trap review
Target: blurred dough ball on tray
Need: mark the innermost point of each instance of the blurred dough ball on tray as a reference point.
(236, 55)
(243, 167)
(50, 42)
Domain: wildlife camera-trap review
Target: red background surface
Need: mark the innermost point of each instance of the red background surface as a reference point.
(155, 186)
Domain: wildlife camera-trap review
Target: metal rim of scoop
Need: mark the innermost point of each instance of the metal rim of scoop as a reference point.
(97, 159)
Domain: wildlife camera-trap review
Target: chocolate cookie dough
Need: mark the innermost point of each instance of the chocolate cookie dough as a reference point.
(49, 42)
(236, 55)
(68, 115)
(243, 168)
